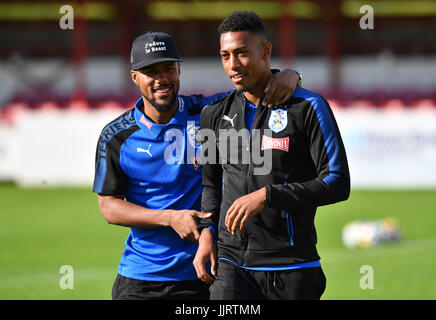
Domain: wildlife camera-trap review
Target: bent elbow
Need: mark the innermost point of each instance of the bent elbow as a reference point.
(106, 213)
(106, 210)
(108, 217)
(344, 190)
(345, 194)
(339, 190)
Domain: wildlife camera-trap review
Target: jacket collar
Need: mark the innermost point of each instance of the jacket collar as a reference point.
(286, 105)
(179, 118)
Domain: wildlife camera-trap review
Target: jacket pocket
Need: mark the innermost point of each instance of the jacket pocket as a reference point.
(290, 227)
(269, 230)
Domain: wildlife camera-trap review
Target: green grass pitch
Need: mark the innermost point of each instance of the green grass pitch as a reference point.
(44, 229)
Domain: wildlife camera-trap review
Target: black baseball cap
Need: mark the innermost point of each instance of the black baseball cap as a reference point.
(151, 48)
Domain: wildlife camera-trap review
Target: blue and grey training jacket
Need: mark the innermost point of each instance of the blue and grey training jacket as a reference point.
(296, 152)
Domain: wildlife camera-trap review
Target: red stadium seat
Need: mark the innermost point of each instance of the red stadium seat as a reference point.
(47, 106)
(17, 106)
(14, 111)
(335, 105)
(425, 105)
(362, 105)
(393, 105)
(109, 104)
(78, 106)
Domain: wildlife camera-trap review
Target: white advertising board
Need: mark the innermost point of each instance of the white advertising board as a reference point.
(390, 149)
(384, 149)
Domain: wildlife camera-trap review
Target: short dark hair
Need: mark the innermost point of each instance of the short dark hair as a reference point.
(242, 21)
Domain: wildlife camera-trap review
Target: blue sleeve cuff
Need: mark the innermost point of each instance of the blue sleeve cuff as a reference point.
(211, 228)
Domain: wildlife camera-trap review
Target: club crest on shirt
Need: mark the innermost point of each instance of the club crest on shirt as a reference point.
(193, 133)
(278, 120)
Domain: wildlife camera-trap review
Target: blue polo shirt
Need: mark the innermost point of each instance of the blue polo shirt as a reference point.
(154, 166)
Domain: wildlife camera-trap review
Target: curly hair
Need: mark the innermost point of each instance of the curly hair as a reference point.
(242, 21)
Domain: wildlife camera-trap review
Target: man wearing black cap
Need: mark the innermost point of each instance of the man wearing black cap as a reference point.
(148, 178)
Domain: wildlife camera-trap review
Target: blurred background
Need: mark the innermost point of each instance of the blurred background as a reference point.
(64, 73)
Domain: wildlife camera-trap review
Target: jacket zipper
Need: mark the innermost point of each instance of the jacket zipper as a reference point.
(249, 141)
(250, 134)
(248, 168)
(289, 225)
(249, 149)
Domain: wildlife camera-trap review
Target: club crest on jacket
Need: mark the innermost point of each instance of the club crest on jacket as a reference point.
(278, 120)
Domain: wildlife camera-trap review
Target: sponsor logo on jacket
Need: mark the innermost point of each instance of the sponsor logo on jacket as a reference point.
(275, 143)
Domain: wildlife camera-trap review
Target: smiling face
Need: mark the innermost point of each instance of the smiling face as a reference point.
(159, 84)
(245, 59)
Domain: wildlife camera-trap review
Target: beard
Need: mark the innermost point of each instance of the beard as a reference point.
(163, 107)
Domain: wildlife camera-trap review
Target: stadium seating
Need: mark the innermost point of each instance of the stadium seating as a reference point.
(390, 102)
(13, 111)
(361, 104)
(393, 105)
(335, 105)
(78, 107)
(425, 105)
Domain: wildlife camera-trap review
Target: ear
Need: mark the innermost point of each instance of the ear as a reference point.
(267, 49)
(134, 76)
